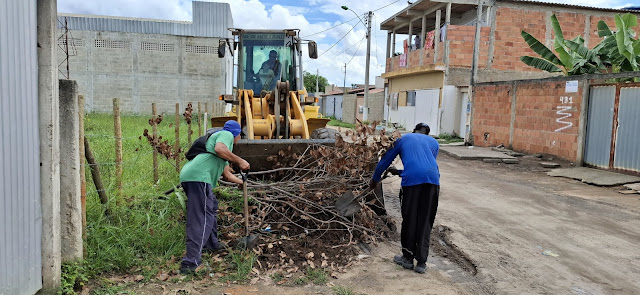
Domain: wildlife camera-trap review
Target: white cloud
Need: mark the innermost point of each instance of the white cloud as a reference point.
(254, 14)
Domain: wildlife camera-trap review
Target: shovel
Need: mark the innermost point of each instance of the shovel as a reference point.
(347, 205)
(248, 241)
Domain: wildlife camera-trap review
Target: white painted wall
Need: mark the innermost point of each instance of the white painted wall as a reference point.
(450, 110)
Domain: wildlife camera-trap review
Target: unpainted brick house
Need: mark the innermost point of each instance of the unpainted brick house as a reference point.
(430, 81)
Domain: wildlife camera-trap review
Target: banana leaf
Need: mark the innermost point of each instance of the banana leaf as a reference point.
(540, 49)
(603, 29)
(541, 64)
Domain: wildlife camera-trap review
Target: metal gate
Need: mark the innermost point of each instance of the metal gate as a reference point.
(613, 127)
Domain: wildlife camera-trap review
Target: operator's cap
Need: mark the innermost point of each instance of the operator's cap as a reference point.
(233, 127)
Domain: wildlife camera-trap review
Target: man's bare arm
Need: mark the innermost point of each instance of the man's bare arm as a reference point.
(227, 174)
(223, 152)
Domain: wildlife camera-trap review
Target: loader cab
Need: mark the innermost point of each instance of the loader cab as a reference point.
(267, 56)
(266, 60)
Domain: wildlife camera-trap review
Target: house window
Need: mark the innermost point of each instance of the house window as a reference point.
(411, 98)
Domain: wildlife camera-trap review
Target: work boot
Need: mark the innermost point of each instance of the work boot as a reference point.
(403, 261)
(187, 269)
(221, 246)
(421, 267)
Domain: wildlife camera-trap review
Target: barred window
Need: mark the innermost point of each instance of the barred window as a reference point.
(201, 49)
(112, 44)
(72, 42)
(150, 46)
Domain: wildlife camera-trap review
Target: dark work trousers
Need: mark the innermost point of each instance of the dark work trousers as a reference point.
(202, 221)
(419, 206)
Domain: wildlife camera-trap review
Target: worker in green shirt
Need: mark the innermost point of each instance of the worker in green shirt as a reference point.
(198, 177)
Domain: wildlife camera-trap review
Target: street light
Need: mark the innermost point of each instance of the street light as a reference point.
(365, 112)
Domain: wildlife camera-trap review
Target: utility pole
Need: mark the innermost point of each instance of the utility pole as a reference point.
(365, 113)
(317, 77)
(344, 82)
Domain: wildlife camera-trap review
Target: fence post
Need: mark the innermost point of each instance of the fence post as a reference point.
(189, 109)
(118, 136)
(83, 179)
(177, 145)
(199, 120)
(154, 128)
(206, 110)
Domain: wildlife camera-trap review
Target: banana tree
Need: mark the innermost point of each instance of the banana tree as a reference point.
(621, 50)
(573, 57)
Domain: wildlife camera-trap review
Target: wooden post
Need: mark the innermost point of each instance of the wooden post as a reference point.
(199, 120)
(190, 105)
(213, 109)
(154, 128)
(95, 174)
(117, 126)
(206, 111)
(176, 147)
(83, 179)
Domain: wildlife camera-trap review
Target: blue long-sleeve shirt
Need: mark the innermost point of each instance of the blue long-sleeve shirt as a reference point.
(418, 153)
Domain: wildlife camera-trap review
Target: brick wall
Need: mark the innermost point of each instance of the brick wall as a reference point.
(348, 108)
(461, 40)
(509, 44)
(546, 117)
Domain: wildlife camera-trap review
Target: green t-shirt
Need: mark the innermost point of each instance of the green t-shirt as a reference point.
(206, 167)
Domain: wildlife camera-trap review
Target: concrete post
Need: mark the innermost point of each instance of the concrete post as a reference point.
(70, 206)
(49, 144)
(436, 43)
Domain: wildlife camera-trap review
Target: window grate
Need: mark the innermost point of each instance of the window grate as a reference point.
(201, 49)
(72, 42)
(112, 44)
(150, 46)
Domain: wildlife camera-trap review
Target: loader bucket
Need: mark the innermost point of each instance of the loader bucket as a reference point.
(257, 151)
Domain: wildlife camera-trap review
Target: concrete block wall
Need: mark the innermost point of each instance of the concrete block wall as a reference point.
(376, 106)
(143, 68)
(349, 108)
(529, 116)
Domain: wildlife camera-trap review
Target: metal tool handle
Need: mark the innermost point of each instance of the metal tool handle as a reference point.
(246, 201)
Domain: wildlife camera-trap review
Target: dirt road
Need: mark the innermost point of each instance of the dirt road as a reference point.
(493, 225)
(504, 220)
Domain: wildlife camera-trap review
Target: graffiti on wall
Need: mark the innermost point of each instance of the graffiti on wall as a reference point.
(563, 113)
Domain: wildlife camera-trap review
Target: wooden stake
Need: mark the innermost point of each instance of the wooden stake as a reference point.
(95, 174)
(154, 128)
(199, 120)
(176, 147)
(189, 127)
(117, 126)
(83, 179)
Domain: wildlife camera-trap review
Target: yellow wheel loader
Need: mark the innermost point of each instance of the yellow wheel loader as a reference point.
(270, 101)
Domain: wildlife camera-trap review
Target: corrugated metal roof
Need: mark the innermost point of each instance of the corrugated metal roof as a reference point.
(20, 209)
(210, 19)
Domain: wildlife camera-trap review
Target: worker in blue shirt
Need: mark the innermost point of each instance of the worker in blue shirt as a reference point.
(420, 189)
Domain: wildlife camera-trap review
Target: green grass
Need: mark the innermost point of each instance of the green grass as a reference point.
(342, 290)
(449, 138)
(339, 123)
(318, 275)
(147, 228)
(242, 262)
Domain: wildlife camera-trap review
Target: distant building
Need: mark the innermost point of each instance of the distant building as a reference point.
(431, 84)
(142, 61)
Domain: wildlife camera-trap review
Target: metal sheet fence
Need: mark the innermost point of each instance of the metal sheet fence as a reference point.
(20, 212)
(599, 126)
(627, 151)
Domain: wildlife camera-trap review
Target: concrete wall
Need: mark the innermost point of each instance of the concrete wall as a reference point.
(376, 106)
(349, 108)
(416, 81)
(144, 68)
(528, 116)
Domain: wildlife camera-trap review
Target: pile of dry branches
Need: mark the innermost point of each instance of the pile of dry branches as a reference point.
(294, 205)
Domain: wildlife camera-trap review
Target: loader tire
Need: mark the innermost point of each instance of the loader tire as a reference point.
(324, 133)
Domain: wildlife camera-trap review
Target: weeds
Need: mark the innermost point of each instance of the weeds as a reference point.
(242, 262)
(342, 290)
(74, 276)
(449, 138)
(318, 275)
(277, 277)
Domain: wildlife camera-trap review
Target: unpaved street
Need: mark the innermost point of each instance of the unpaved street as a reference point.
(503, 220)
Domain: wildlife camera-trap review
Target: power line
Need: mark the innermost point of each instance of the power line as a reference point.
(334, 44)
(354, 44)
(356, 52)
(394, 2)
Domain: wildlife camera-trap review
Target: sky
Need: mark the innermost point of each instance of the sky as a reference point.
(339, 34)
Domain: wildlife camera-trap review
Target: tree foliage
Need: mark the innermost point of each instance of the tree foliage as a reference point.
(310, 82)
